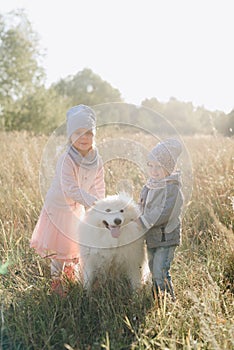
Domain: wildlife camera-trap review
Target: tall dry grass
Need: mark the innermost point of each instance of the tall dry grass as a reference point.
(113, 318)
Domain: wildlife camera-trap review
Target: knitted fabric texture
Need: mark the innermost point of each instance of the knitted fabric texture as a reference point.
(80, 117)
(166, 153)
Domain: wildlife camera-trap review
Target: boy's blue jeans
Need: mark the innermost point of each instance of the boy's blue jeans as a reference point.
(160, 260)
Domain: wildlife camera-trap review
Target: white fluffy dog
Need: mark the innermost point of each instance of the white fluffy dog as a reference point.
(111, 241)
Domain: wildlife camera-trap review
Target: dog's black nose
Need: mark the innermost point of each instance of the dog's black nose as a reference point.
(117, 221)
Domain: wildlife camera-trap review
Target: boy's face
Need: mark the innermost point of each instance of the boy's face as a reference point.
(156, 171)
(82, 140)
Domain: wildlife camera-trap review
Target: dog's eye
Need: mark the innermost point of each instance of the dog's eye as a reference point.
(108, 210)
(121, 211)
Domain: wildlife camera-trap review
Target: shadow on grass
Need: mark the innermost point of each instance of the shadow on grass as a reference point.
(40, 320)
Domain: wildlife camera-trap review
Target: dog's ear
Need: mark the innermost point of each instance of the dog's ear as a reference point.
(125, 187)
(127, 197)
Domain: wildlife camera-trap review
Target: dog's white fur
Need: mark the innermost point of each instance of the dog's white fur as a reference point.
(111, 241)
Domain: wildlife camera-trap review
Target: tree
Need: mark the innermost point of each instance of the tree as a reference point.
(225, 123)
(87, 88)
(40, 112)
(230, 124)
(20, 70)
(179, 114)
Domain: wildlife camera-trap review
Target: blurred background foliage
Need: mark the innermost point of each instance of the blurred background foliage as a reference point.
(27, 104)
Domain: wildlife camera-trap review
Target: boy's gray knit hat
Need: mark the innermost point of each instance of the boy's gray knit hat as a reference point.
(78, 117)
(166, 153)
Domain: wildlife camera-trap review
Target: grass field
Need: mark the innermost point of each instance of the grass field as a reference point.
(113, 318)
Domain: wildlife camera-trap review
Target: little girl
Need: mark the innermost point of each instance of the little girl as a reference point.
(78, 183)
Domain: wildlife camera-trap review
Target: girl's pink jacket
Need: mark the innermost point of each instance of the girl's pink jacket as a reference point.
(72, 190)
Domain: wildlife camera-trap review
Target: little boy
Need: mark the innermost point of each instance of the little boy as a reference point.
(161, 203)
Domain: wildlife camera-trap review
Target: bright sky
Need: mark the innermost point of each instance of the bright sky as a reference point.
(145, 48)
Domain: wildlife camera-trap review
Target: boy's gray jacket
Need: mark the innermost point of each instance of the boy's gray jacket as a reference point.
(161, 209)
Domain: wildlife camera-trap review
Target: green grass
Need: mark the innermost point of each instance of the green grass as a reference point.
(112, 317)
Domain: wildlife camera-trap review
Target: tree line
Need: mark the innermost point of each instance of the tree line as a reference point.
(27, 104)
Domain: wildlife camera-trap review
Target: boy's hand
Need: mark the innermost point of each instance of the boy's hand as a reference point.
(138, 221)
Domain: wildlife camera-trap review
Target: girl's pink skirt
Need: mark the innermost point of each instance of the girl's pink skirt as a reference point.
(55, 234)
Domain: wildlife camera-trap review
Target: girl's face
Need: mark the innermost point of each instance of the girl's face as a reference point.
(156, 171)
(82, 140)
